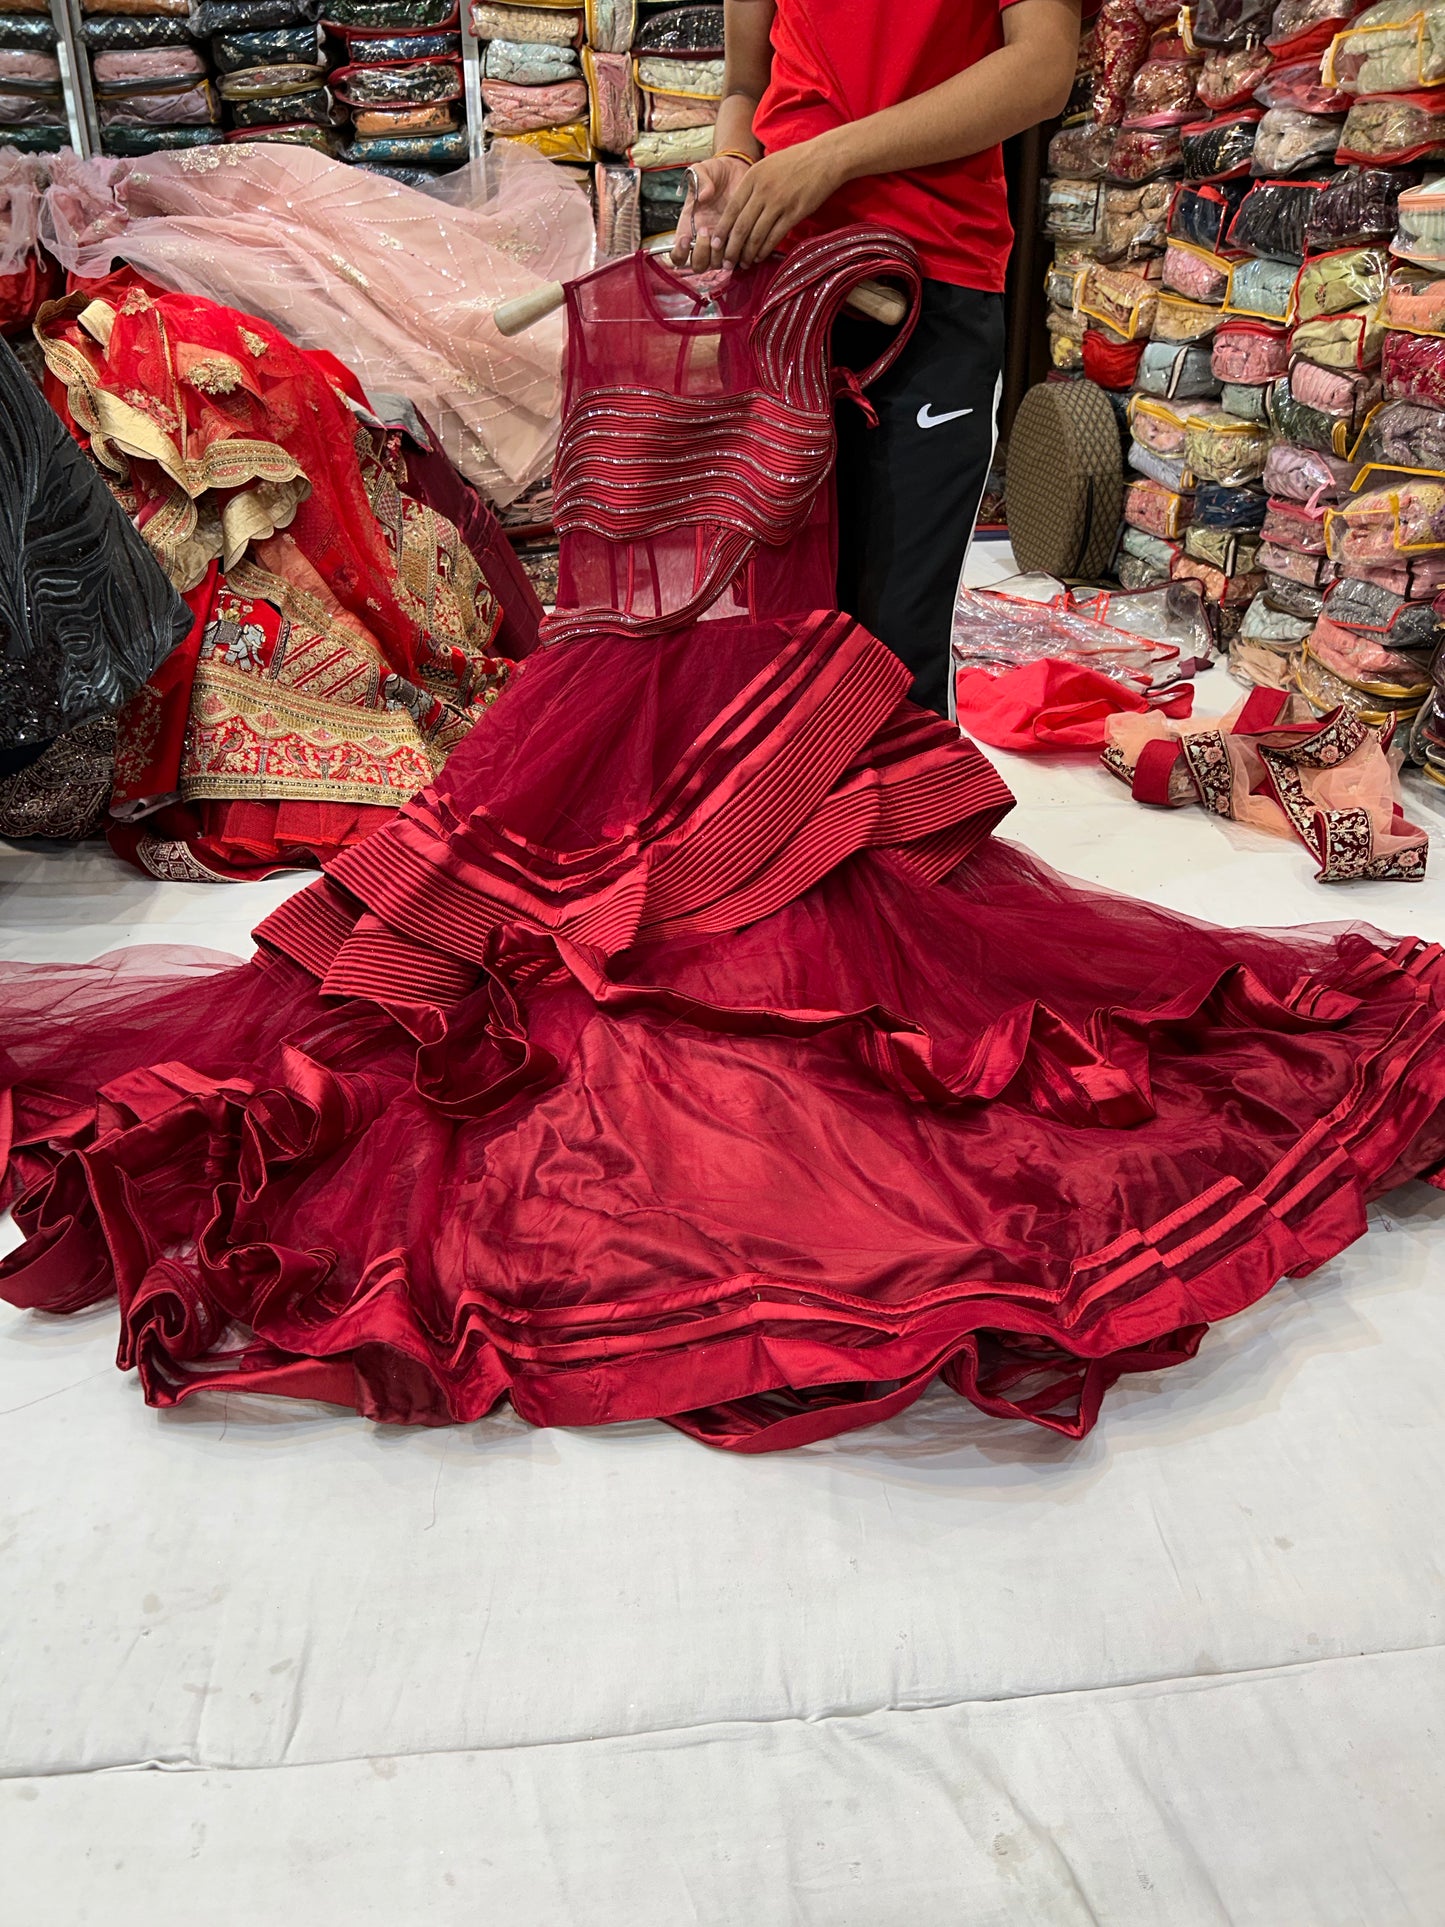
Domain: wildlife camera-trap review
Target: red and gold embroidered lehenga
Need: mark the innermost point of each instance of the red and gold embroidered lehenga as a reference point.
(690, 1049)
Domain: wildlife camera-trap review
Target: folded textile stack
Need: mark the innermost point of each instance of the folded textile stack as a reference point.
(153, 82)
(399, 76)
(271, 72)
(32, 105)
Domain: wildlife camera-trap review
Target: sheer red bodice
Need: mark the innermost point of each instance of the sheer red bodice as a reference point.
(690, 1049)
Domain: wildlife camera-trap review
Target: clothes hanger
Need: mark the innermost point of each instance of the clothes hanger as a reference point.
(873, 299)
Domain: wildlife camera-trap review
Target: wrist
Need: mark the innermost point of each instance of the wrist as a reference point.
(837, 151)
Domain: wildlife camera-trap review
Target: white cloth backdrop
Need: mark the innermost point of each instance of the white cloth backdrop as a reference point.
(265, 1662)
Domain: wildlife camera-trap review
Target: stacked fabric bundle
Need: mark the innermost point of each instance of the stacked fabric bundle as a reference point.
(400, 78)
(534, 88)
(32, 106)
(679, 79)
(272, 72)
(152, 81)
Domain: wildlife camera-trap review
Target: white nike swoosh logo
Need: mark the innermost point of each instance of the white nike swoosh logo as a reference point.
(927, 418)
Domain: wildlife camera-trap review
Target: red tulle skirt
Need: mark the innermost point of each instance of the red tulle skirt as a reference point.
(692, 1050)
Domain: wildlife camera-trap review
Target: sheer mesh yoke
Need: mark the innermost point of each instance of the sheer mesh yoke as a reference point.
(693, 476)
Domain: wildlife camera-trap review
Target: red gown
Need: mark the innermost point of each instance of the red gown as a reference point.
(691, 1049)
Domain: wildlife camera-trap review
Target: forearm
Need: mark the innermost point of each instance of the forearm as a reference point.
(747, 67)
(1006, 92)
(734, 131)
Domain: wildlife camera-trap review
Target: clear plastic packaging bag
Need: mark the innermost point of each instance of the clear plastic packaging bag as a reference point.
(1273, 218)
(1120, 42)
(1261, 289)
(995, 632)
(1066, 340)
(1171, 471)
(1247, 400)
(1196, 272)
(1308, 427)
(1230, 23)
(1301, 27)
(1221, 448)
(1174, 621)
(1081, 152)
(1413, 369)
(1201, 211)
(1297, 84)
(1265, 624)
(1370, 610)
(1305, 474)
(1289, 142)
(1386, 522)
(1367, 662)
(1310, 571)
(1250, 351)
(1216, 149)
(1177, 370)
(1070, 210)
(1217, 588)
(1414, 302)
(405, 83)
(1176, 319)
(1230, 76)
(1159, 425)
(1135, 573)
(1227, 550)
(1357, 208)
(1404, 434)
(530, 63)
(1420, 224)
(1132, 223)
(1219, 506)
(1063, 285)
(1344, 392)
(1389, 49)
(1352, 340)
(1112, 364)
(1144, 154)
(1345, 278)
(1118, 300)
(1153, 549)
(557, 27)
(1161, 94)
(1301, 599)
(1156, 509)
(1295, 525)
(681, 30)
(612, 25)
(1390, 131)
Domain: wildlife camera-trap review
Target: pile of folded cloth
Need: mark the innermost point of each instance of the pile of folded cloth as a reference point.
(1249, 255)
(32, 105)
(398, 80)
(628, 92)
(151, 75)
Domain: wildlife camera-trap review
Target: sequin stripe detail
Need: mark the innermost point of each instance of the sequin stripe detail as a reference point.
(793, 329)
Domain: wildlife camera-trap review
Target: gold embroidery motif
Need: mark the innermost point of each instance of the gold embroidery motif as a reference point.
(254, 342)
(215, 375)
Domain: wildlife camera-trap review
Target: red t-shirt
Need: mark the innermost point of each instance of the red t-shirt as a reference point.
(835, 61)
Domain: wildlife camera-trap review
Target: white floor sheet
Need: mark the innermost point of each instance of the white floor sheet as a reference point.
(263, 1662)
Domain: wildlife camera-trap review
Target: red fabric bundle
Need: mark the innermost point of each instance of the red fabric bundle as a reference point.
(1113, 364)
(1049, 704)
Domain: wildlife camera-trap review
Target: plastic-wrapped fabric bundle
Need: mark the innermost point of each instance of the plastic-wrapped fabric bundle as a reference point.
(1250, 351)
(1387, 522)
(1356, 208)
(1414, 301)
(700, 79)
(1390, 48)
(1420, 229)
(27, 32)
(679, 148)
(119, 32)
(1310, 571)
(1366, 661)
(665, 113)
(1220, 448)
(1215, 585)
(1334, 282)
(1081, 152)
(1412, 369)
(394, 15)
(1178, 319)
(1245, 399)
(518, 110)
(400, 285)
(1179, 371)
(1121, 301)
(1273, 219)
(173, 7)
(1369, 609)
(124, 69)
(1153, 550)
(684, 31)
(1217, 149)
(1305, 474)
(1144, 154)
(535, 26)
(1261, 289)
(1296, 421)
(1343, 392)
(572, 142)
(366, 43)
(1405, 434)
(1071, 210)
(1226, 550)
(1219, 505)
(611, 25)
(1196, 272)
(1302, 27)
(1230, 76)
(530, 63)
(1159, 425)
(1121, 41)
(1065, 331)
(409, 83)
(276, 47)
(1132, 221)
(1290, 142)
(194, 107)
(1203, 210)
(613, 101)
(1295, 525)
(1265, 624)
(261, 83)
(1393, 129)
(1297, 84)
(207, 17)
(1113, 364)
(1170, 471)
(1161, 94)
(1351, 340)
(619, 211)
(1158, 510)
(1230, 23)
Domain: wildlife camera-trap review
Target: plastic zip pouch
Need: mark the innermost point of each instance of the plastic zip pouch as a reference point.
(1201, 211)
(1273, 627)
(1109, 362)
(1144, 154)
(1153, 549)
(1335, 391)
(1289, 142)
(1161, 94)
(1302, 27)
(1413, 369)
(681, 148)
(1215, 585)
(1176, 319)
(1297, 84)
(1352, 340)
(1196, 272)
(282, 46)
(570, 142)
(1244, 399)
(1309, 427)
(1169, 470)
(1301, 599)
(1229, 23)
(1273, 217)
(1305, 475)
(1177, 370)
(612, 26)
(1221, 448)
(1230, 76)
(1132, 224)
(1414, 302)
(1216, 149)
(1389, 48)
(1218, 506)
(693, 79)
(1368, 609)
(1081, 152)
(1250, 351)
(681, 30)
(1227, 550)
(1310, 571)
(530, 63)
(1120, 42)
(1357, 208)
(1420, 229)
(1155, 509)
(1332, 283)
(1385, 522)
(1066, 340)
(1063, 286)
(1261, 289)
(1389, 131)
(1368, 662)
(1119, 300)
(1158, 425)
(1135, 573)
(402, 83)
(1295, 525)
(415, 150)
(1404, 435)
(257, 83)
(1072, 209)
(533, 25)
